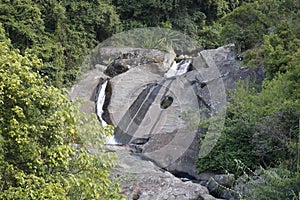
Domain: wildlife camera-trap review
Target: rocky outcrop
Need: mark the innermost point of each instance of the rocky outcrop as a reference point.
(138, 92)
(120, 60)
(220, 185)
(135, 108)
(158, 115)
(141, 179)
(172, 134)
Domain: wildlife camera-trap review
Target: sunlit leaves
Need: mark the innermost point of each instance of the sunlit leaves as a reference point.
(48, 148)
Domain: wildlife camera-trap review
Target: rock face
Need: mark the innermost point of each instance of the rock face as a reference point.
(173, 137)
(158, 114)
(86, 89)
(141, 179)
(138, 90)
(135, 108)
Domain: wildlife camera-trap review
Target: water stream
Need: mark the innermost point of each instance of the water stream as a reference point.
(99, 111)
(179, 68)
(100, 103)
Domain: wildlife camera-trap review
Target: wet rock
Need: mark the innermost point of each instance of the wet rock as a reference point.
(221, 191)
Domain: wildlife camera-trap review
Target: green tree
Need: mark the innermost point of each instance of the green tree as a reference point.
(48, 149)
(188, 17)
(280, 47)
(61, 33)
(262, 125)
(260, 129)
(244, 27)
(278, 184)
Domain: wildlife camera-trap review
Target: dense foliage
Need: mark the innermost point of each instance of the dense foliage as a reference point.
(61, 33)
(189, 17)
(43, 44)
(262, 122)
(44, 139)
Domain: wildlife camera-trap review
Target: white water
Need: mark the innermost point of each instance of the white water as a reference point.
(172, 71)
(178, 69)
(183, 67)
(111, 140)
(99, 104)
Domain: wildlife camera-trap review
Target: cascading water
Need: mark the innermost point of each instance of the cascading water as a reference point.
(100, 103)
(179, 68)
(183, 67)
(99, 111)
(172, 71)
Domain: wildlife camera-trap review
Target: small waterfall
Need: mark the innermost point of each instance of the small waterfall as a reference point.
(178, 69)
(172, 71)
(99, 111)
(183, 67)
(100, 103)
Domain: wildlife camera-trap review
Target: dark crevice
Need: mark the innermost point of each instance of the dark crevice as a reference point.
(116, 68)
(166, 102)
(97, 89)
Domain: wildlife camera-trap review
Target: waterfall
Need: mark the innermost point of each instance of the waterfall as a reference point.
(183, 67)
(99, 111)
(172, 71)
(100, 103)
(178, 69)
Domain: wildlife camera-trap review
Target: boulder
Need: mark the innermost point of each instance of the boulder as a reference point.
(135, 108)
(119, 60)
(221, 191)
(247, 184)
(138, 107)
(226, 180)
(219, 185)
(141, 179)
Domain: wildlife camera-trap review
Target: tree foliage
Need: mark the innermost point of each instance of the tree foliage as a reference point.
(244, 27)
(279, 184)
(61, 33)
(43, 137)
(46, 144)
(189, 17)
(262, 124)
